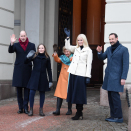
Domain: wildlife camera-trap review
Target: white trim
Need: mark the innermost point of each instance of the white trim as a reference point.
(112, 2)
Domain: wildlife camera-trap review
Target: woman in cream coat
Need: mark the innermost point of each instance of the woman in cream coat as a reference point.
(80, 73)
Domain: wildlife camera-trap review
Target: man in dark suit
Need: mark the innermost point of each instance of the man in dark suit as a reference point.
(115, 75)
(22, 72)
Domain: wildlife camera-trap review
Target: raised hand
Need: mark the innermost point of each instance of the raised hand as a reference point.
(67, 32)
(12, 39)
(99, 48)
(55, 53)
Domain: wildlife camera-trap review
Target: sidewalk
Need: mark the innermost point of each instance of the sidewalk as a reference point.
(94, 116)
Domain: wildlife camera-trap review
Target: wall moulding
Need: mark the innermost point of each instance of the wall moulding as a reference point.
(117, 1)
(7, 10)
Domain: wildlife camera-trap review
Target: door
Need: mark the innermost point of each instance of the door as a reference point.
(64, 21)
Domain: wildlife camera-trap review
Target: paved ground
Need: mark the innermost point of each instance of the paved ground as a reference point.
(94, 116)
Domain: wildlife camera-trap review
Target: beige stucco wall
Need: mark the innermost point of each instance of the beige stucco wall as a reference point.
(118, 21)
(6, 29)
(51, 31)
(40, 20)
(6, 59)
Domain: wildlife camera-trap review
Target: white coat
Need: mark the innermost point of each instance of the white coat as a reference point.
(82, 60)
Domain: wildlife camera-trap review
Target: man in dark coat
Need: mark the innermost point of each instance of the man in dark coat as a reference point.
(22, 72)
(115, 75)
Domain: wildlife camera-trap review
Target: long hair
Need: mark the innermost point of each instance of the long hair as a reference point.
(37, 52)
(85, 42)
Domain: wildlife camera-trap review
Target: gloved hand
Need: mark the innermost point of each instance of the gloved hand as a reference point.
(30, 54)
(87, 80)
(67, 32)
(50, 84)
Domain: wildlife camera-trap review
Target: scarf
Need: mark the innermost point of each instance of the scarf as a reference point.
(113, 47)
(41, 55)
(65, 59)
(24, 44)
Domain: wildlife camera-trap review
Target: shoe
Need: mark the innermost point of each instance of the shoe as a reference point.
(26, 111)
(20, 111)
(118, 120)
(59, 103)
(31, 112)
(108, 118)
(41, 112)
(78, 115)
(69, 112)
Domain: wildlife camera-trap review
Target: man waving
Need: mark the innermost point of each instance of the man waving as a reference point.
(22, 71)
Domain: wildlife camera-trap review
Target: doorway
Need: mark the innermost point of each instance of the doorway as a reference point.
(84, 17)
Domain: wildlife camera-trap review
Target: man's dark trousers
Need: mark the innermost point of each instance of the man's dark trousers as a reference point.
(115, 104)
(23, 104)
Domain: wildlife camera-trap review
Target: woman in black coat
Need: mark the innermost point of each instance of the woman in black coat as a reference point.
(39, 80)
(22, 72)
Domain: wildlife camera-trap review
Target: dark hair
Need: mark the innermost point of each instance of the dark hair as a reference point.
(46, 54)
(114, 35)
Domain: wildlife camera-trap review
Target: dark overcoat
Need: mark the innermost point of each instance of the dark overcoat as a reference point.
(77, 90)
(38, 80)
(117, 68)
(22, 72)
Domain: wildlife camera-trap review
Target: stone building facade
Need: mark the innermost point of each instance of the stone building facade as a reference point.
(40, 19)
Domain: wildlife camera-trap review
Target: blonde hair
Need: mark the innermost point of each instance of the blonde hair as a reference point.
(63, 49)
(85, 42)
(37, 52)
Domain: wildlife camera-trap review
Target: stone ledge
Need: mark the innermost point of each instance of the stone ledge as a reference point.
(6, 89)
(129, 120)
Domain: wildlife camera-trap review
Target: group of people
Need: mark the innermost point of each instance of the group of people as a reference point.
(75, 74)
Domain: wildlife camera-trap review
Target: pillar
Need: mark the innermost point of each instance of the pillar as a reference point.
(32, 18)
(93, 22)
(76, 20)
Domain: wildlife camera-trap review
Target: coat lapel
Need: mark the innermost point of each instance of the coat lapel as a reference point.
(28, 47)
(78, 49)
(116, 50)
(84, 49)
(20, 46)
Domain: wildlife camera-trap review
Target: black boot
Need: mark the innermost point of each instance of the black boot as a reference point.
(41, 112)
(78, 115)
(69, 112)
(20, 111)
(31, 112)
(26, 111)
(59, 103)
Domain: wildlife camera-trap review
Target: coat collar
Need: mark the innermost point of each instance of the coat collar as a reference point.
(84, 49)
(116, 49)
(28, 46)
(41, 56)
